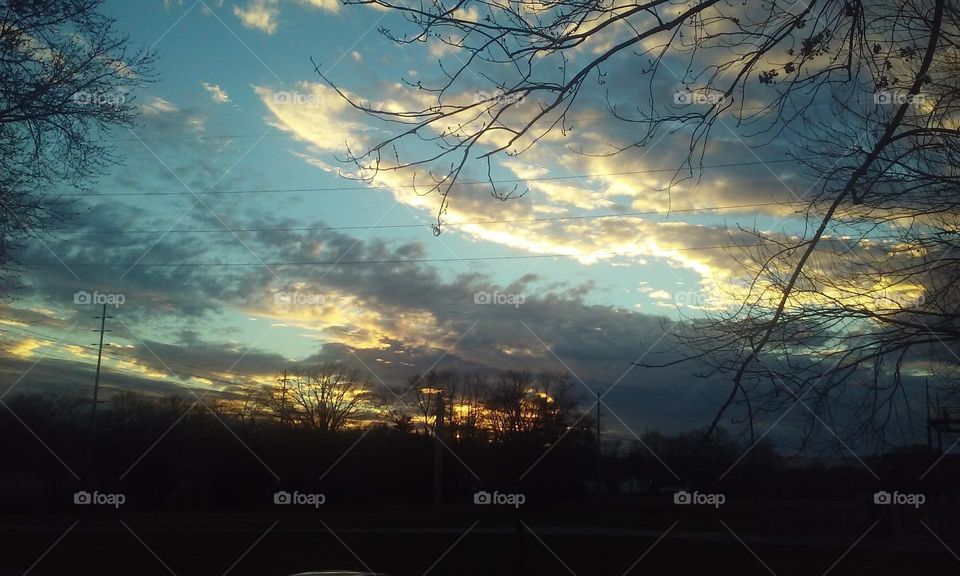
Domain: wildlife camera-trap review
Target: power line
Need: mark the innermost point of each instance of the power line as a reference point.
(259, 136)
(169, 367)
(385, 261)
(462, 183)
(49, 341)
(429, 225)
(339, 262)
(96, 382)
(178, 372)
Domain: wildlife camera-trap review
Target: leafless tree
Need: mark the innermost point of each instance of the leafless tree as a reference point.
(508, 402)
(864, 92)
(248, 405)
(470, 416)
(434, 392)
(557, 403)
(521, 402)
(329, 398)
(495, 408)
(66, 79)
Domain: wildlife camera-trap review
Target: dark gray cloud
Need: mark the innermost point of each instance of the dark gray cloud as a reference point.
(410, 315)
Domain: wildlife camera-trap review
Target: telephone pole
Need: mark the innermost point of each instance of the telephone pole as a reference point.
(96, 380)
(599, 457)
(438, 456)
(926, 386)
(91, 448)
(283, 398)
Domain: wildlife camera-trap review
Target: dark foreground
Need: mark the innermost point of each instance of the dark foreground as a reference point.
(220, 544)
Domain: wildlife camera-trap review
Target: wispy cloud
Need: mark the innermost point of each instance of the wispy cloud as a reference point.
(262, 14)
(216, 92)
(259, 14)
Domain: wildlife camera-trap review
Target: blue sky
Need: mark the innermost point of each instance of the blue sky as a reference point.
(213, 122)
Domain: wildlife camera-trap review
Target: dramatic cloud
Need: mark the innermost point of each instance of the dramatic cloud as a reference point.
(394, 319)
(236, 259)
(594, 206)
(552, 211)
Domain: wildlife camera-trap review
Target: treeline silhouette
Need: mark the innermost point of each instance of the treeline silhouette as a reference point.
(327, 430)
(323, 429)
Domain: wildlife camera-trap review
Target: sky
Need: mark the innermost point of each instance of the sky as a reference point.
(231, 247)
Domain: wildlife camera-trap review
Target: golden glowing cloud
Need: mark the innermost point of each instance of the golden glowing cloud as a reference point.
(26, 348)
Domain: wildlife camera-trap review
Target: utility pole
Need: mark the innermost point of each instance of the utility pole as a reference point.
(926, 386)
(939, 434)
(438, 456)
(283, 398)
(96, 379)
(599, 461)
(96, 392)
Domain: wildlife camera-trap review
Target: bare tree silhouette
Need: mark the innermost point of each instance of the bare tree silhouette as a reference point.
(66, 78)
(863, 92)
(328, 398)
